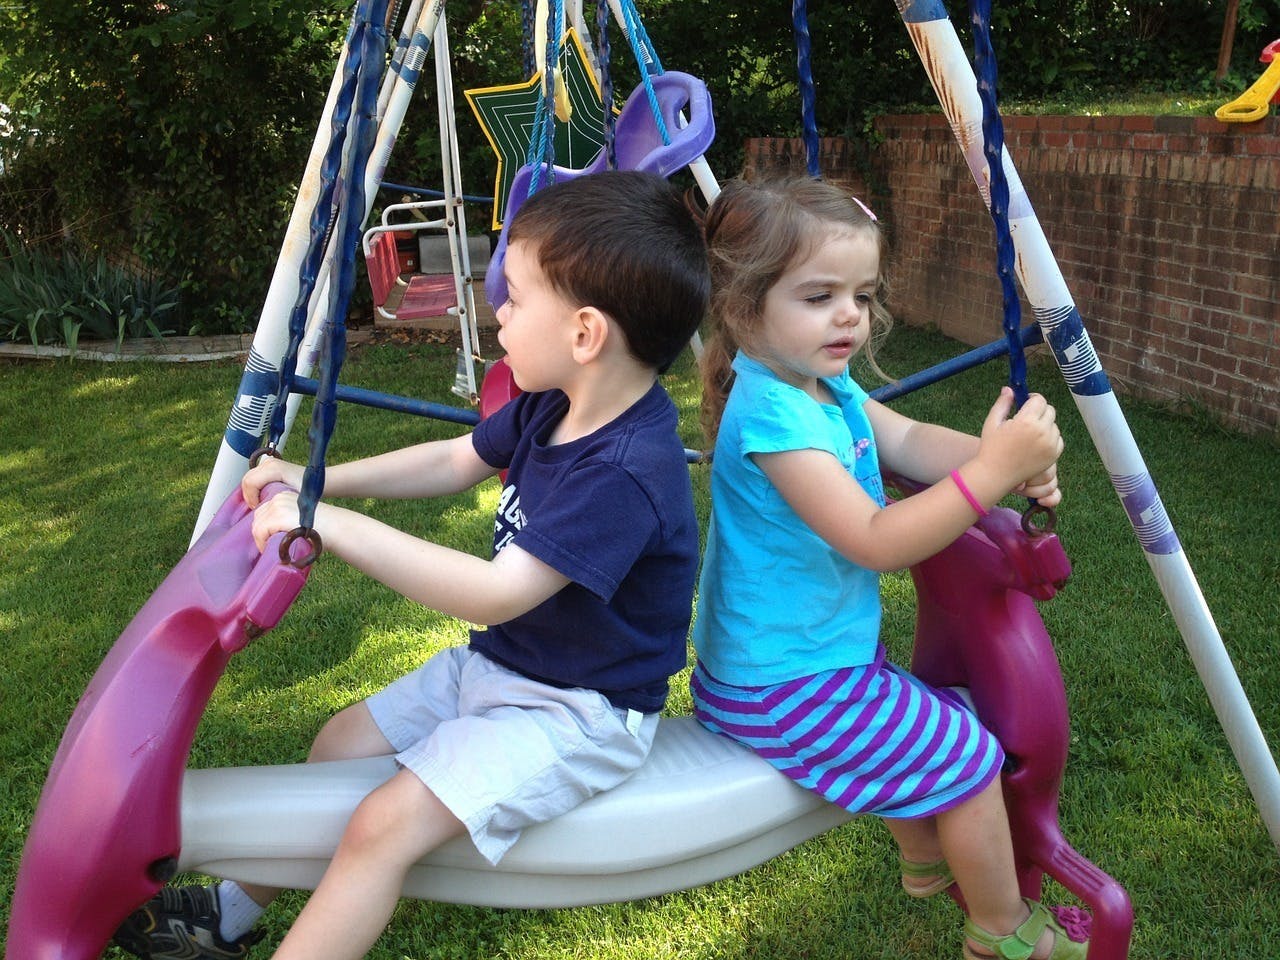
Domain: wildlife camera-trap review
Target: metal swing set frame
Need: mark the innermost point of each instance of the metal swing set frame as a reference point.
(149, 816)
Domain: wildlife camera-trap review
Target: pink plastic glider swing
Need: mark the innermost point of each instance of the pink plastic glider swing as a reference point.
(106, 832)
(119, 814)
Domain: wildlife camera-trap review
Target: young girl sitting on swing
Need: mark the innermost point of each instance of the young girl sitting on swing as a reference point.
(787, 628)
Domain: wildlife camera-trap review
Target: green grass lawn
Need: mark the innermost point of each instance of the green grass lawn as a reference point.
(1193, 103)
(102, 470)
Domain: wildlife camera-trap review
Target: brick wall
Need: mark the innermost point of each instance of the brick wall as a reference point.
(1166, 229)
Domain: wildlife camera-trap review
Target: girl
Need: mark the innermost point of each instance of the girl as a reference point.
(789, 661)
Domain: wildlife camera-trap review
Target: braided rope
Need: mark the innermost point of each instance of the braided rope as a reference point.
(808, 95)
(993, 148)
(542, 142)
(321, 220)
(606, 83)
(526, 37)
(647, 60)
(650, 62)
(367, 53)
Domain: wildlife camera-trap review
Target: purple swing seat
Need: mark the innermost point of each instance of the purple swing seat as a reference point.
(105, 836)
(638, 145)
(977, 627)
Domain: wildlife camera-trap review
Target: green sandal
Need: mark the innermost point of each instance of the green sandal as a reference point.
(1020, 944)
(920, 871)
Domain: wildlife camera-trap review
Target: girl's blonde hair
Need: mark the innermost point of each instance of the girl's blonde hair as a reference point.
(755, 231)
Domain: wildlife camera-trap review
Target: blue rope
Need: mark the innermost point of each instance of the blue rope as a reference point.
(647, 61)
(367, 52)
(993, 148)
(555, 37)
(606, 84)
(321, 216)
(526, 37)
(533, 154)
(542, 144)
(808, 96)
(984, 56)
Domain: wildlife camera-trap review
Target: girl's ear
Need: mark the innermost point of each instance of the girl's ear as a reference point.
(591, 334)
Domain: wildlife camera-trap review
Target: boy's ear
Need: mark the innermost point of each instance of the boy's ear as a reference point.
(591, 334)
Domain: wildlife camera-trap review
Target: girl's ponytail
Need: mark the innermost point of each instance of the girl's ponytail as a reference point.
(717, 378)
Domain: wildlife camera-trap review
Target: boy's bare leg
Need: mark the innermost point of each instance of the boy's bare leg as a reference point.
(217, 920)
(349, 734)
(391, 829)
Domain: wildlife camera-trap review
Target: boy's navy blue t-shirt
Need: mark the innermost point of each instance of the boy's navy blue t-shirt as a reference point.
(613, 512)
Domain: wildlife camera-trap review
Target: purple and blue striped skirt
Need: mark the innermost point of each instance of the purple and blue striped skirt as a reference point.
(872, 739)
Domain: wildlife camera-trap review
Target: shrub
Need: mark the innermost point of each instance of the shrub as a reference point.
(49, 296)
(177, 132)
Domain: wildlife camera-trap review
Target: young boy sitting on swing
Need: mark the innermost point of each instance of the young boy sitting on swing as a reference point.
(587, 597)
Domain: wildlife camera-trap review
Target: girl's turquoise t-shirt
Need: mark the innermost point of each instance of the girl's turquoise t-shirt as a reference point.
(775, 601)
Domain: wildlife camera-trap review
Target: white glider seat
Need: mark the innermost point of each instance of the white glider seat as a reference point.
(702, 808)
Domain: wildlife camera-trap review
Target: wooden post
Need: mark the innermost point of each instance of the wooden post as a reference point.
(1228, 38)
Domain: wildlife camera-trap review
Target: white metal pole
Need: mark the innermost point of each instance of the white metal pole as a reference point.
(953, 80)
(455, 216)
(407, 29)
(402, 89)
(251, 411)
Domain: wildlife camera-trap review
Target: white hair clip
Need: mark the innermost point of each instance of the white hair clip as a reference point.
(865, 209)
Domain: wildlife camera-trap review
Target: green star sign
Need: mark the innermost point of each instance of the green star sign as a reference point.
(506, 116)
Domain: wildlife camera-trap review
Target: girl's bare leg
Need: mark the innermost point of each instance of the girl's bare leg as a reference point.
(918, 842)
(976, 842)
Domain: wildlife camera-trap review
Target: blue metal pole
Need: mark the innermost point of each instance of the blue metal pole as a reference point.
(1026, 337)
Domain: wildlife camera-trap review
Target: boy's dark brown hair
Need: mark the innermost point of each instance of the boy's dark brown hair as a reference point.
(627, 244)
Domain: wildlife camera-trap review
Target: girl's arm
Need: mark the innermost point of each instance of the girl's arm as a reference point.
(924, 452)
(453, 582)
(927, 452)
(431, 469)
(824, 495)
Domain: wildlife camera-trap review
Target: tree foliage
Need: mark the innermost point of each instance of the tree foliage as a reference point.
(171, 134)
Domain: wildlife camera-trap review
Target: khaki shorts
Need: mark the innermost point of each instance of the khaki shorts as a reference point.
(502, 751)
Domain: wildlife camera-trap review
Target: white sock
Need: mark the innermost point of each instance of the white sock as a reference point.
(239, 911)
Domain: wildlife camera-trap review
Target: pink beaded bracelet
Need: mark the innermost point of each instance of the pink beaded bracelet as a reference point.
(968, 494)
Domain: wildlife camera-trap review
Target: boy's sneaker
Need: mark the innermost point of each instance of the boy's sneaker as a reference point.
(181, 923)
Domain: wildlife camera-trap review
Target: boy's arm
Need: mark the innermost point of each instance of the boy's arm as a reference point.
(432, 469)
(453, 582)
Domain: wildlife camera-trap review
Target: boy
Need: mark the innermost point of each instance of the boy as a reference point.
(587, 596)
